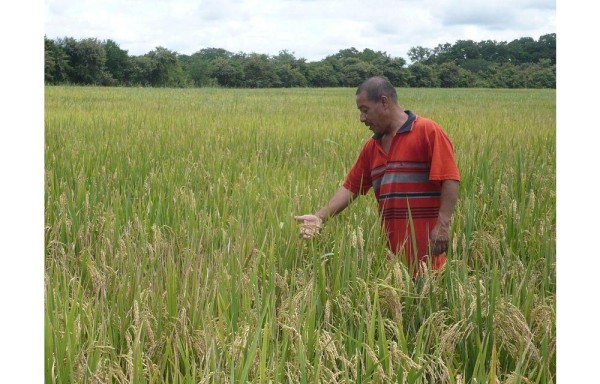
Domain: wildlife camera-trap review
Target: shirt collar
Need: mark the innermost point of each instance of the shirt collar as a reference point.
(406, 127)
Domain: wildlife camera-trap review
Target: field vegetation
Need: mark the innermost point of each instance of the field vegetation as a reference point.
(171, 255)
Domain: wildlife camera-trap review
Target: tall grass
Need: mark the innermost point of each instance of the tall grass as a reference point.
(172, 256)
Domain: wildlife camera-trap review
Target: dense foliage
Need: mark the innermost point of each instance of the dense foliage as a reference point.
(522, 63)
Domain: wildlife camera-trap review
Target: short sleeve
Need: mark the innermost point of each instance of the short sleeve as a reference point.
(443, 162)
(358, 180)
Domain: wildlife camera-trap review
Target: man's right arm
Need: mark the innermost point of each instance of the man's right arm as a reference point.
(340, 200)
(310, 224)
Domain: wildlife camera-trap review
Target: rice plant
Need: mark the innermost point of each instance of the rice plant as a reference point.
(172, 256)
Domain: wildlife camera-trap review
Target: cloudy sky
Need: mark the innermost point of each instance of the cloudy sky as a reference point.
(311, 29)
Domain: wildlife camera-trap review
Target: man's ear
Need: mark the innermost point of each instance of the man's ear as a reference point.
(385, 101)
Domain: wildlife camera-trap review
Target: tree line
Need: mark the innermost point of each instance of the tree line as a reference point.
(521, 63)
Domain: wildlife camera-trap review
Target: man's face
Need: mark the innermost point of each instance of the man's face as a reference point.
(371, 113)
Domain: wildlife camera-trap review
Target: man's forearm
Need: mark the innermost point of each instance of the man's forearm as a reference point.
(340, 200)
(449, 196)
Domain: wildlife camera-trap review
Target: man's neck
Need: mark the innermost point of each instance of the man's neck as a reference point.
(396, 123)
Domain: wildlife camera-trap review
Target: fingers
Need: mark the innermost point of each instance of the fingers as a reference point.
(308, 232)
(438, 246)
(306, 218)
(310, 225)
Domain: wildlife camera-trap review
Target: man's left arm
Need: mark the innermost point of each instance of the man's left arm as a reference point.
(440, 235)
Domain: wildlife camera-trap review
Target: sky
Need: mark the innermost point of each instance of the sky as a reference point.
(310, 29)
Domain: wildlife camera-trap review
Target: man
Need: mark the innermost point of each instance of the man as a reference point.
(409, 162)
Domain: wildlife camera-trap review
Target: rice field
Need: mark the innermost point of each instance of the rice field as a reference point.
(172, 256)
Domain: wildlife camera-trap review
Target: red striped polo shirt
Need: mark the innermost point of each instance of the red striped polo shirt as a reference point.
(407, 183)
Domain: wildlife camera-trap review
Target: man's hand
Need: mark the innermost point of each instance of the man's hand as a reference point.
(438, 239)
(310, 225)
(440, 235)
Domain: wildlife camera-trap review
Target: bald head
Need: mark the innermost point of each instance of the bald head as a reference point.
(377, 86)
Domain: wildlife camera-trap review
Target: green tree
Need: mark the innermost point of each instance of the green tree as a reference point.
(419, 54)
(117, 62)
(505, 76)
(322, 74)
(547, 48)
(259, 72)
(210, 54)
(368, 55)
(349, 53)
(211, 66)
(521, 63)
(539, 75)
(464, 50)
(440, 54)
(522, 50)
(165, 70)
(544, 75)
(354, 71)
(422, 76)
(476, 66)
(391, 68)
(449, 75)
(289, 76)
(290, 71)
(493, 52)
(227, 72)
(141, 68)
(87, 61)
(197, 69)
(56, 63)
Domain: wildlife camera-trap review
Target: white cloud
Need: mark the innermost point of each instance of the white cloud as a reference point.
(311, 29)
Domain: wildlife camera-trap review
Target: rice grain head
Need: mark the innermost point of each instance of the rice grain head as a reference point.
(512, 330)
